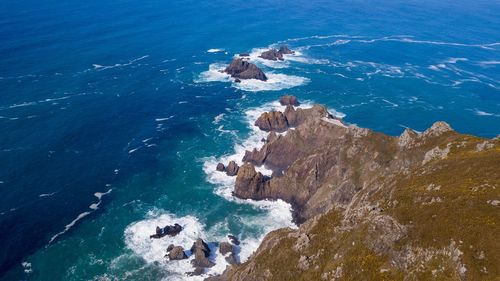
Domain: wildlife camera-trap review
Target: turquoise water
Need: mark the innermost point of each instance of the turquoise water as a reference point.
(113, 114)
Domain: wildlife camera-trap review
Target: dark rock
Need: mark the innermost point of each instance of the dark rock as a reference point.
(170, 247)
(171, 230)
(285, 51)
(237, 80)
(201, 253)
(233, 239)
(232, 169)
(231, 259)
(249, 183)
(291, 115)
(256, 157)
(272, 54)
(221, 167)
(289, 100)
(272, 121)
(242, 69)
(177, 253)
(225, 247)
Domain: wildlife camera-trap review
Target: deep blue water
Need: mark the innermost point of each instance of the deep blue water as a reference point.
(117, 96)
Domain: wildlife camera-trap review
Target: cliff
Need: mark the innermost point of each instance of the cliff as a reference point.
(421, 206)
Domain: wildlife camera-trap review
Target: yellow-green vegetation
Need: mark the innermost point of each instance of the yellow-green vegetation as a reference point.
(442, 216)
(449, 201)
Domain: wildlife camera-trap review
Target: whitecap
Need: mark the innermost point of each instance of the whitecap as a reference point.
(275, 82)
(215, 50)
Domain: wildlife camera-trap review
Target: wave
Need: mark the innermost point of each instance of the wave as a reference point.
(100, 67)
(275, 81)
(215, 50)
(152, 251)
(92, 207)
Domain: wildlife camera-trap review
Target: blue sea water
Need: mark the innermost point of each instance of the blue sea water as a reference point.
(113, 114)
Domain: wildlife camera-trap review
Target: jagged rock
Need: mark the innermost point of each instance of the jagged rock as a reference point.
(289, 100)
(407, 138)
(437, 129)
(233, 239)
(272, 54)
(231, 259)
(177, 253)
(237, 80)
(225, 247)
(272, 121)
(201, 253)
(170, 247)
(256, 157)
(291, 115)
(242, 69)
(171, 230)
(249, 183)
(221, 167)
(232, 168)
(285, 51)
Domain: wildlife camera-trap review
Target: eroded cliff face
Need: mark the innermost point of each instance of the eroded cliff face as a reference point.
(421, 206)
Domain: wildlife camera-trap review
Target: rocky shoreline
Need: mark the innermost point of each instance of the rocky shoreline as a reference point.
(357, 181)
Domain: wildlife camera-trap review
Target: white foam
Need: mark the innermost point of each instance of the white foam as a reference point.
(100, 67)
(154, 250)
(47, 194)
(275, 82)
(215, 50)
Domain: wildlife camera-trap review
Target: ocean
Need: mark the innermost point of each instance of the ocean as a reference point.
(113, 114)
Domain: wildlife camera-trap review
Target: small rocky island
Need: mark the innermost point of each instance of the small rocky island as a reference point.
(274, 54)
(241, 68)
(419, 206)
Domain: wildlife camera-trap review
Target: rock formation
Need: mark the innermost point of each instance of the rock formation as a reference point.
(176, 253)
(241, 68)
(201, 252)
(232, 168)
(372, 206)
(289, 100)
(273, 54)
(272, 121)
(220, 167)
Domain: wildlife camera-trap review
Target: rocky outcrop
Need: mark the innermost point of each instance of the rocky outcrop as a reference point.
(374, 207)
(285, 51)
(241, 68)
(220, 167)
(232, 168)
(289, 100)
(273, 54)
(176, 253)
(272, 121)
(249, 183)
(201, 253)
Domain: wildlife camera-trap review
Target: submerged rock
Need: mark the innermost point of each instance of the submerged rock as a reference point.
(242, 69)
(232, 168)
(289, 100)
(233, 239)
